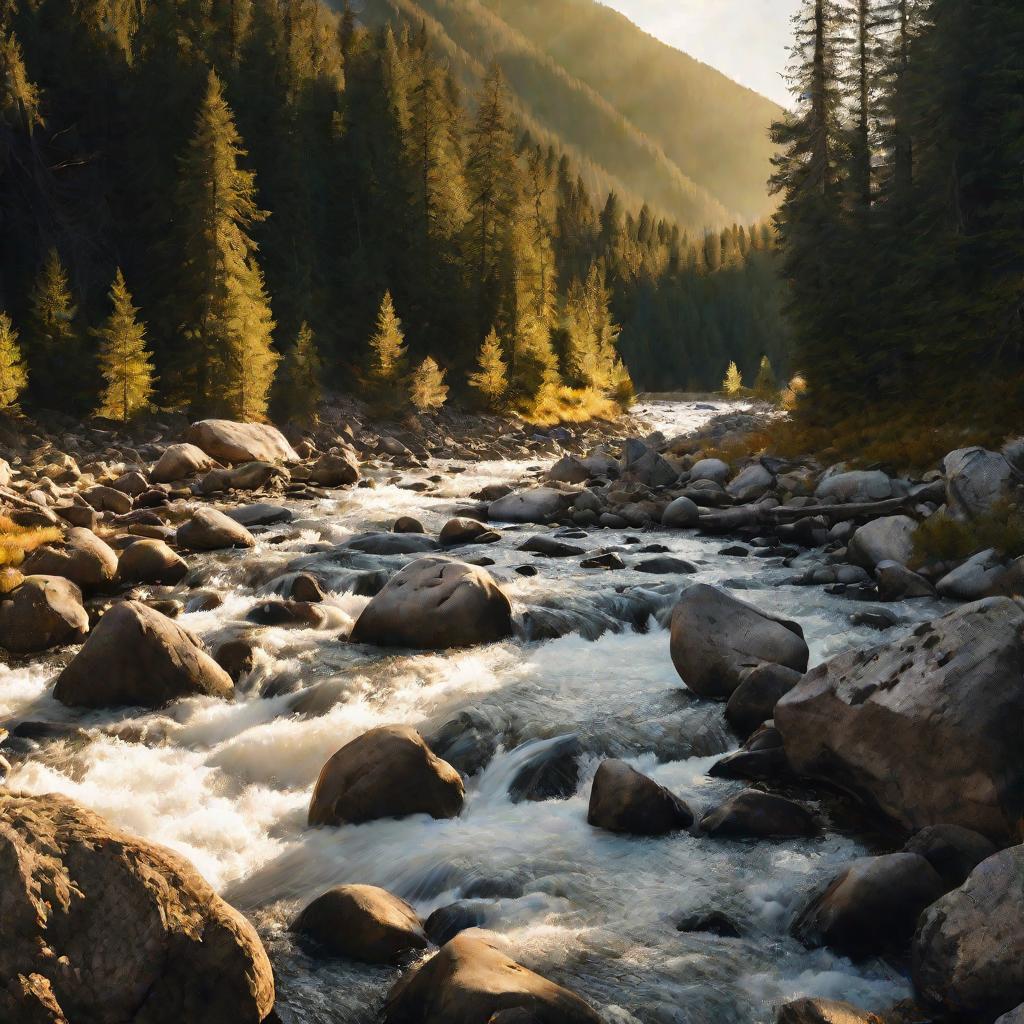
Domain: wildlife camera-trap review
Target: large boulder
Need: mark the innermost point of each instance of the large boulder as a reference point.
(180, 462)
(680, 514)
(889, 539)
(228, 441)
(210, 530)
(335, 469)
(403, 542)
(710, 469)
(470, 981)
(750, 483)
(107, 499)
(624, 800)
(80, 556)
(953, 851)
(151, 561)
(969, 947)
(716, 639)
(388, 772)
(362, 922)
(40, 613)
(754, 700)
(926, 729)
(649, 469)
(871, 906)
(136, 656)
(248, 476)
(976, 480)
(103, 927)
(823, 1011)
(569, 470)
(860, 486)
(985, 574)
(533, 506)
(752, 814)
(436, 603)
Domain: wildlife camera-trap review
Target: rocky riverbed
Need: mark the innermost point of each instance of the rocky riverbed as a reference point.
(588, 691)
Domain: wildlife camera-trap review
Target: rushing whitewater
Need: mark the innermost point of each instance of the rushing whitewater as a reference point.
(228, 785)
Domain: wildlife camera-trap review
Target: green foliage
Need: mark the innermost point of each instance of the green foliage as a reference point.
(941, 538)
(125, 361)
(13, 373)
(733, 382)
(491, 376)
(299, 389)
(427, 389)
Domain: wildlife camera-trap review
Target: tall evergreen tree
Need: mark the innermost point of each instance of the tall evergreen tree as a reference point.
(491, 376)
(13, 372)
(298, 389)
(53, 340)
(227, 313)
(125, 362)
(427, 389)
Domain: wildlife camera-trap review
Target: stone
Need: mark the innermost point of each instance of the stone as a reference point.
(407, 524)
(609, 560)
(898, 583)
(680, 514)
(954, 852)
(569, 470)
(446, 922)
(305, 614)
(249, 476)
(538, 505)
(553, 772)
(40, 613)
(967, 953)
(228, 442)
(335, 469)
(306, 587)
(624, 800)
(151, 561)
(754, 700)
(210, 530)
(106, 499)
(856, 486)
(470, 981)
(710, 469)
(260, 513)
(237, 657)
(665, 565)
(80, 556)
(925, 729)
(984, 574)
(362, 922)
(387, 772)
(651, 470)
(752, 814)
(712, 923)
(717, 638)
(465, 531)
(550, 547)
(750, 483)
(180, 462)
(976, 481)
(104, 927)
(470, 739)
(136, 656)
(402, 543)
(436, 603)
(889, 539)
(824, 1011)
(131, 482)
(871, 906)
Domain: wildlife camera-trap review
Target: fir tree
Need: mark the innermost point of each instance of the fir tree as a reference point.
(388, 352)
(427, 388)
(228, 313)
(491, 377)
(733, 383)
(13, 374)
(125, 361)
(54, 345)
(765, 385)
(298, 388)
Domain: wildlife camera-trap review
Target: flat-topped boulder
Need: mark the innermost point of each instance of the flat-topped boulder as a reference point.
(362, 922)
(80, 556)
(211, 530)
(102, 926)
(40, 613)
(334, 469)
(136, 656)
(388, 772)
(471, 981)
(436, 603)
(401, 543)
(229, 441)
(858, 486)
(538, 505)
(716, 639)
(925, 729)
(889, 539)
(180, 462)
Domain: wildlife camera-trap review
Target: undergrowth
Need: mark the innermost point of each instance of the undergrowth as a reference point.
(940, 538)
(15, 543)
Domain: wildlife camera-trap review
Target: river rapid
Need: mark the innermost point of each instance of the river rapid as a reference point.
(228, 784)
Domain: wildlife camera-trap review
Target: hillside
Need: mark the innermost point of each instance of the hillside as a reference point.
(637, 116)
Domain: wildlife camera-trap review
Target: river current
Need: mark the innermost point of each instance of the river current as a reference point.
(228, 784)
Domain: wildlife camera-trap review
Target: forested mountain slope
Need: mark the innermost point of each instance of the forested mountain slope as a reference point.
(638, 117)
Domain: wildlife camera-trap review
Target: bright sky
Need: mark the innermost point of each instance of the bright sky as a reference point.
(748, 40)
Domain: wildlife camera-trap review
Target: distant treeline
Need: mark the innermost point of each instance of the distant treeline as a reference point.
(902, 221)
(200, 200)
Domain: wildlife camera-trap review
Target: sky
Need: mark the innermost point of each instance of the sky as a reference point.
(748, 40)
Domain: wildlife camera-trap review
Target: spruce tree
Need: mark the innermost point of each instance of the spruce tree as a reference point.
(427, 389)
(125, 362)
(53, 341)
(298, 389)
(765, 385)
(388, 357)
(227, 311)
(733, 383)
(13, 373)
(491, 377)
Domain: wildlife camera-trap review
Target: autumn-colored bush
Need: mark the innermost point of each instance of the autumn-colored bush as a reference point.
(17, 541)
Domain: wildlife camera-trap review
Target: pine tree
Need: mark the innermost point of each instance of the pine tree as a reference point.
(387, 360)
(54, 345)
(427, 388)
(124, 359)
(733, 383)
(298, 390)
(228, 314)
(13, 374)
(491, 379)
(766, 386)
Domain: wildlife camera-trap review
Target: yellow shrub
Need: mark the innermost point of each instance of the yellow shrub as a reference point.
(17, 541)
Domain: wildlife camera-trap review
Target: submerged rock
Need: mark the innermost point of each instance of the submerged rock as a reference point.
(363, 922)
(624, 800)
(436, 603)
(552, 773)
(753, 814)
(102, 926)
(470, 980)
(388, 772)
